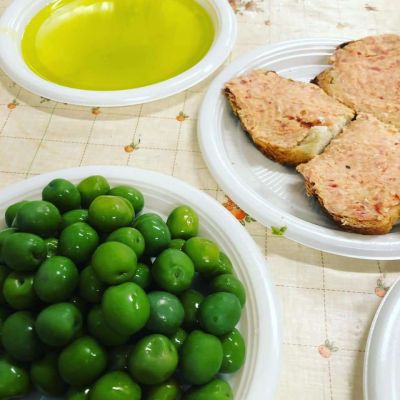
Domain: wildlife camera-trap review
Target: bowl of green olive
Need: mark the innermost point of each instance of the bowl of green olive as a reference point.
(120, 283)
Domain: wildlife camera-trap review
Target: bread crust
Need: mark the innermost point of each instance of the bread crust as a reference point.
(284, 154)
(370, 227)
(325, 81)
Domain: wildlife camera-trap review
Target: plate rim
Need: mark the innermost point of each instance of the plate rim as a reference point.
(372, 337)
(12, 63)
(321, 238)
(248, 249)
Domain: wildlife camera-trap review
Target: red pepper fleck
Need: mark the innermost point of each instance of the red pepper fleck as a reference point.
(378, 207)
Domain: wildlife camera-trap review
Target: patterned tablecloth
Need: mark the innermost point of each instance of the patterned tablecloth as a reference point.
(328, 301)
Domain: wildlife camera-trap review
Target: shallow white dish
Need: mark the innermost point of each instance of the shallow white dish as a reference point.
(382, 354)
(20, 12)
(270, 192)
(260, 323)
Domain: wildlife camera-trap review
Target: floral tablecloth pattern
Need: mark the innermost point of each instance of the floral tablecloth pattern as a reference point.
(327, 301)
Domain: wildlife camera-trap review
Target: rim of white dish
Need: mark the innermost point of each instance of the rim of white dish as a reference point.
(213, 150)
(19, 13)
(262, 306)
(372, 357)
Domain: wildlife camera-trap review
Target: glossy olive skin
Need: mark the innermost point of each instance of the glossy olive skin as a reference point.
(229, 283)
(12, 210)
(4, 271)
(143, 276)
(169, 390)
(153, 360)
(217, 389)
(24, 251)
(45, 377)
(18, 290)
(78, 242)
(224, 266)
(130, 237)
(39, 217)
(14, 380)
(77, 394)
(234, 350)
(177, 244)
(92, 187)
(56, 279)
(178, 338)
(51, 247)
(4, 234)
(220, 312)
(63, 194)
(201, 357)
(191, 300)
(204, 254)
(115, 385)
(5, 311)
(166, 313)
(59, 324)
(173, 271)
(73, 216)
(108, 213)
(114, 263)
(100, 330)
(86, 353)
(126, 308)
(19, 337)
(91, 288)
(155, 232)
(183, 222)
(130, 193)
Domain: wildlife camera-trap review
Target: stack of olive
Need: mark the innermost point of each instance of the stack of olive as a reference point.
(101, 301)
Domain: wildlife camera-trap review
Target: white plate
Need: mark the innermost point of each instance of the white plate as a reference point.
(20, 12)
(260, 323)
(382, 354)
(270, 192)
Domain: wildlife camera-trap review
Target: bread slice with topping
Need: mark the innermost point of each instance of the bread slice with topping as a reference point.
(365, 76)
(289, 121)
(356, 179)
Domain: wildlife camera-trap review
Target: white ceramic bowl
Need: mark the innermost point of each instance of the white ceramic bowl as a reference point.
(20, 12)
(260, 323)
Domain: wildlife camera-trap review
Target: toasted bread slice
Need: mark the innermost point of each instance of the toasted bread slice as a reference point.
(356, 179)
(366, 76)
(289, 121)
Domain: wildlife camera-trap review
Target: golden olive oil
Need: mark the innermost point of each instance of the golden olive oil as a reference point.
(116, 44)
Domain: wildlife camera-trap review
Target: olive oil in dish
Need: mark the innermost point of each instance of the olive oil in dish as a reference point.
(116, 44)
